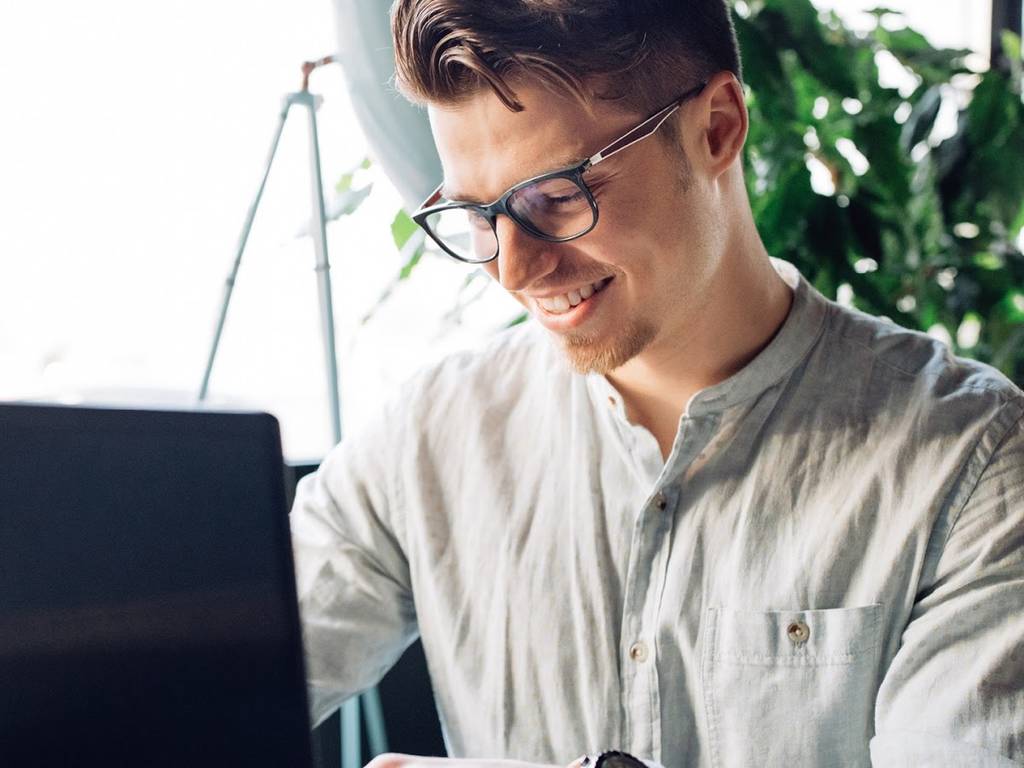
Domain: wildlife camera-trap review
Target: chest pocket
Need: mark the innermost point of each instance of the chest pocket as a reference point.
(790, 688)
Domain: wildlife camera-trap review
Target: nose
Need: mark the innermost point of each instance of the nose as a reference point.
(522, 258)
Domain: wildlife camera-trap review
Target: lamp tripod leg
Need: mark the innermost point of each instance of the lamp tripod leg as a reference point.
(243, 238)
(323, 269)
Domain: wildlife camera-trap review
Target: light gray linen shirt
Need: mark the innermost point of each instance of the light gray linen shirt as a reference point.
(828, 570)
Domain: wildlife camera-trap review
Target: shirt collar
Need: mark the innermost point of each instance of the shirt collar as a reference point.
(783, 353)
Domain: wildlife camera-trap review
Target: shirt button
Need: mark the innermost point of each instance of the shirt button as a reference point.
(798, 632)
(611, 401)
(638, 651)
(660, 501)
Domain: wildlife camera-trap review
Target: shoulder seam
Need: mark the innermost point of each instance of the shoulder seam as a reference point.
(977, 479)
(882, 361)
(875, 355)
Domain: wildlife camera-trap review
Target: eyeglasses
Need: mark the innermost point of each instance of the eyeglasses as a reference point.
(557, 206)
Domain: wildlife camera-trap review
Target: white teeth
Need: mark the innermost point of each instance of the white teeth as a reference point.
(560, 304)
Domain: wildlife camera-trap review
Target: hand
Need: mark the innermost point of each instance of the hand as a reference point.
(414, 761)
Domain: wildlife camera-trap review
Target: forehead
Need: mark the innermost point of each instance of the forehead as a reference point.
(485, 148)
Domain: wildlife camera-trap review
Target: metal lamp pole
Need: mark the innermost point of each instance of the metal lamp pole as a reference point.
(350, 711)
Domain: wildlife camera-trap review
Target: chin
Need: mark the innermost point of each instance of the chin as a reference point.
(590, 353)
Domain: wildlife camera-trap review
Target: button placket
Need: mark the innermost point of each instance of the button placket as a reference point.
(643, 589)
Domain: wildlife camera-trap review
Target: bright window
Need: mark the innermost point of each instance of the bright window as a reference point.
(132, 141)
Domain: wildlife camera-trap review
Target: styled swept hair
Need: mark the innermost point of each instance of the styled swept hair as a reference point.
(639, 54)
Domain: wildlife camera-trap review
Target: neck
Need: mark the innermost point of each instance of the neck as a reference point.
(746, 304)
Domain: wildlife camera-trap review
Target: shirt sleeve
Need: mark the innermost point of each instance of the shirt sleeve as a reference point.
(954, 693)
(352, 575)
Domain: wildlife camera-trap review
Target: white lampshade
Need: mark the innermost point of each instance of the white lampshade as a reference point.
(397, 132)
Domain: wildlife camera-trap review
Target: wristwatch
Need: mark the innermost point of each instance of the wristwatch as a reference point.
(612, 759)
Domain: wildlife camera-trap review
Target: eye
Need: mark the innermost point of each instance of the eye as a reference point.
(552, 194)
(573, 197)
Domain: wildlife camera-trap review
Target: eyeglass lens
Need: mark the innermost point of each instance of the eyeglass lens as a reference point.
(557, 208)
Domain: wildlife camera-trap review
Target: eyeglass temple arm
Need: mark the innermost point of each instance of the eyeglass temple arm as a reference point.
(645, 129)
(642, 131)
(434, 197)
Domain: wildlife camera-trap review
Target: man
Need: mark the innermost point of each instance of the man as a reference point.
(693, 510)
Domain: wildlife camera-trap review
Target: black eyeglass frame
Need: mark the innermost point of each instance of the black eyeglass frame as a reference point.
(490, 211)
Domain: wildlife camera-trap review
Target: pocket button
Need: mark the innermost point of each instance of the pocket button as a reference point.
(798, 632)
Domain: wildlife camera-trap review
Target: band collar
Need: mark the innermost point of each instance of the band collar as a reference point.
(783, 353)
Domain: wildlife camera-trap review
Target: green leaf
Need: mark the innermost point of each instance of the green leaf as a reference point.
(402, 228)
(906, 42)
(988, 260)
(1012, 52)
(780, 211)
(1014, 306)
(795, 25)
(1018, 221)
(345, 182)
(518, 320)
(877, 137)
(762, 70)
(866, 228)
(347, 201)
(987, 109)
(922, 118)
(1011, 45)
(880, 12)
(410, 265)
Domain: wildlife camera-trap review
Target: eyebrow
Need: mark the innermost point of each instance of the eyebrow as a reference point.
(459, 197)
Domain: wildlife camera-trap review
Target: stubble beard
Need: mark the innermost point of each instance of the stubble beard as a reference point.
(592, 353)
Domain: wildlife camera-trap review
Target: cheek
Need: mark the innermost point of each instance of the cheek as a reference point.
(627, 235)
(640, 211)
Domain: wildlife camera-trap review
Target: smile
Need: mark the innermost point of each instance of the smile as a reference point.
(558, 305)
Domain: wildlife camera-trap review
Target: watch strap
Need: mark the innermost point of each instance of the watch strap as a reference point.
(615, 756)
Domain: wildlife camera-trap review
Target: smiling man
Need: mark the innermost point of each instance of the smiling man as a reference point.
(693, 511)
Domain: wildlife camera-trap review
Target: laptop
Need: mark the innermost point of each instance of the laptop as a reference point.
(147, 597)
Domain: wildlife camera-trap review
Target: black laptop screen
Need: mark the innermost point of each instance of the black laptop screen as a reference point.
(147, 608)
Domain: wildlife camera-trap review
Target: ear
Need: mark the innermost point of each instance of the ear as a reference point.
(724, 123)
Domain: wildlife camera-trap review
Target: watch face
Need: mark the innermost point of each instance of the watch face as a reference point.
(618, 760)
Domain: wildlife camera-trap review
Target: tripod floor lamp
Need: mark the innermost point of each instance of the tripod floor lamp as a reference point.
(351, 756)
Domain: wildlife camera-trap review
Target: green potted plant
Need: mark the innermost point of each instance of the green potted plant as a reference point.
(922, 231)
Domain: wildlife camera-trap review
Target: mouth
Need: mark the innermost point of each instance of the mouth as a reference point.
(560, 313)
(561, 305)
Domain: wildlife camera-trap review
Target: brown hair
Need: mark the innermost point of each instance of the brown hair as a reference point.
(639, 53)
